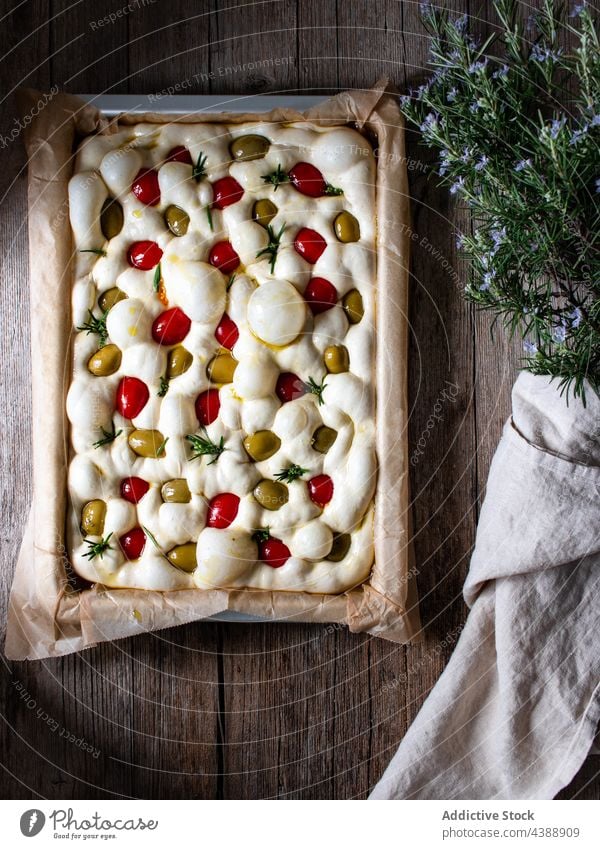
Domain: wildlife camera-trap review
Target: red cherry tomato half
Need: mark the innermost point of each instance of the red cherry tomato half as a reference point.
(171, 327)
(133, 543)
(222, 510)
(223, 257)
(227, 332)
(289, 387)
(320, 490)
(132, 395)
(308, 180)
(144, 255)
(179, 154)
(145, 187)
(309, 244)
(208, 405)
(273, 552)
(320, 295)
(225, 192)
(134, 489)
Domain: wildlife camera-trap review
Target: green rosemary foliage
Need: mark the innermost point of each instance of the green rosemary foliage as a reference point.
(96, 325)
(203, 445)
(516, 123)
(291, 473)
(273, 247)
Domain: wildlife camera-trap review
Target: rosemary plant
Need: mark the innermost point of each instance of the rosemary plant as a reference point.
(516, 123)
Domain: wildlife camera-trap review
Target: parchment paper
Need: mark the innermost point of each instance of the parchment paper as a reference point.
(46, 616)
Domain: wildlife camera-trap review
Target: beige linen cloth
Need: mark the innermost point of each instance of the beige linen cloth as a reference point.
(515, 712)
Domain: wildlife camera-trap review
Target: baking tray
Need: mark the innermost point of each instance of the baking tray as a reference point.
(178, 104)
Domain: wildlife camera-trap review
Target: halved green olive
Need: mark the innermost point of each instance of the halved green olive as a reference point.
(108, 299)
(105, 361)
(178, 361)
(247, 148)
(147, 443)
(221, 368)
(177, 220)
(271, 494)
(352, 304)
(184, 556)
(336, 359)
(262, 445)
(176, 491)
(340, 547)
(346, 227)
(264, 211)
(323, 438)
(111, 218)
(92, 518)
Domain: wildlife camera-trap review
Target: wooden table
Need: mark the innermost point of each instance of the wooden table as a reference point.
(259, 711)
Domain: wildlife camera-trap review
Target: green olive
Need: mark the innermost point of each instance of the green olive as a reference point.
(176, 491)
(352, 304)
(336, 359)
(264, 211)
(346, 227)
(340, 547)
(184, 556)
(323, 438)
(177, 220)
(92, 518)
(105, 361)
(221, 368)
(246, 148)
(147, 443)
(111, 218)
(178, 361)
(271, 494)
(262, 444)
(108, 299)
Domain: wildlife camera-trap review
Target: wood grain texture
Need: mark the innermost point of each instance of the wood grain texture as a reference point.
(237, 711)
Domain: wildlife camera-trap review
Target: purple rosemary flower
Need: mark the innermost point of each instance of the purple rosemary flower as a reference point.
(575, 317)
(430, 123)
(598, 186)
(578, 135)
(529, 347)
(559, 333)
(460, 241)
(523, 164)
(458, 186)
(481, 163)
(577, 10)
(501, 73)
(460, 24)
(595, 122)
(477, 67)
(543, 53)
(451, 96)
(556, 126)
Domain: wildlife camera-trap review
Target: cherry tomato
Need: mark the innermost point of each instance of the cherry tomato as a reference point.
(320, 295)
(134, 489)
(273, 552)
(171, 327)
(222, 510)
(145, 187)
(309, 244)
(308, 180)
(144, 255)
(132, 395)
(179, 154)
(133, 543)
(289, 387)
(225, 192)
(320, 490)
(207, 406)
(227, 332)
(223, 257)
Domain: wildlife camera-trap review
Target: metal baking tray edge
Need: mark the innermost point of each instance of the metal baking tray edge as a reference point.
(179, 104)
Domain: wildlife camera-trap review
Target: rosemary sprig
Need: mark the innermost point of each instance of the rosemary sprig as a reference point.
(333, 191)
(230, 281)
(291, 473)
(160, 451)
(315, 388)
(108, 436)
(203, 445)
(164, 387)
(199, 169)
(98, 251)
(97, 549)
(209, 217)
(273, 246)
(96, 325)
(261, 534)
(157, 278)
(276, 178)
